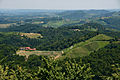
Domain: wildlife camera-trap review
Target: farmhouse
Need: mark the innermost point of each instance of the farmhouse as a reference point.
(27, 48)
(22, 35)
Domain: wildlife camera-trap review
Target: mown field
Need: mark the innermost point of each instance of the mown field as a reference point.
(59, 23)
(85, 48)
(6, 25)
(51, 54)
(38, 22)
(31, 35)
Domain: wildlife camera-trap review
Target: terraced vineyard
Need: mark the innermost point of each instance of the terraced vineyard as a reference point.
(85, 48)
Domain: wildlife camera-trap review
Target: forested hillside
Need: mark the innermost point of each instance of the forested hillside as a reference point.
(102, 64)
(59, 45)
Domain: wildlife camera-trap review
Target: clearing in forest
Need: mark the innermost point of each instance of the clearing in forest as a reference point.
(52, 54)
(31, 35)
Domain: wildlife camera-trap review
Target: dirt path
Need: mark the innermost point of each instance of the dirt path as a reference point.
(57, 56)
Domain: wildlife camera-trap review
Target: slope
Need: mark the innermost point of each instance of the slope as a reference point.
(85, 48)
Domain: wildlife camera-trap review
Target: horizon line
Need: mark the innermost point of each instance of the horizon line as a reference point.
(57, 9)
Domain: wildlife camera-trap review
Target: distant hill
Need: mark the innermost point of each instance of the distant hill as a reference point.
(109, 22)
(73, 14)
(81, 14)
(112, 14)
(86, 27)
(97, 12)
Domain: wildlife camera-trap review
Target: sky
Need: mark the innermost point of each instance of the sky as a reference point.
(59, 4)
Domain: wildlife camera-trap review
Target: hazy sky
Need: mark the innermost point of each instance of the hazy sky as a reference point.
(60, 4)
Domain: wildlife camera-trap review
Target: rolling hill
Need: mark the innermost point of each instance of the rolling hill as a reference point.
(82, 14)
(85, 48)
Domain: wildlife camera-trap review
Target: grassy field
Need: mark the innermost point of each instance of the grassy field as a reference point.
(85, 48)
(38, 22)
(31, 35)
(6, 25)
(59, 23)
(52, 54)
(100, 37)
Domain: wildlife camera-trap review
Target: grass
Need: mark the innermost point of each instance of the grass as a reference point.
(100, 37)
(6, 25)
(31, 35)
(8, 33)
(38, 22)
(59, 23)
(116, 42)
(85, 48)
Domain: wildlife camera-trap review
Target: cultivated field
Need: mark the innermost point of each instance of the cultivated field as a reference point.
(85, 48)
(41, 22)
(6, 25)
(52, 54)
(31, 35)
(59, 23)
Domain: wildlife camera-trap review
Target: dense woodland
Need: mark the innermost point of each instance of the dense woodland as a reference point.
(101, 64)
(53, 39)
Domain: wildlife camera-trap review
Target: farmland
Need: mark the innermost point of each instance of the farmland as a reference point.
(31, 35)
(85, 48)
(59, 23)
(52, 54)
(6, 25)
